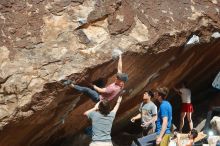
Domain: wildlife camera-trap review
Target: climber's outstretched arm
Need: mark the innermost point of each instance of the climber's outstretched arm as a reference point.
(120, 64)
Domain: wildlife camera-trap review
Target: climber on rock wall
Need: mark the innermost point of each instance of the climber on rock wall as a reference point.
(109, 92)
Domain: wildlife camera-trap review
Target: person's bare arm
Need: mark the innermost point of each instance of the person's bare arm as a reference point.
(177, 90)
(138, 116)
(154, 119)
(164, 126)
(100, 90)
(117, 104)
(163, 129)
(120, 64)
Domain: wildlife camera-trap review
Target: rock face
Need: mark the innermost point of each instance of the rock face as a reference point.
(42, 42)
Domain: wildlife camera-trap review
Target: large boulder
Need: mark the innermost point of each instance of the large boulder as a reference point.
(44, 41)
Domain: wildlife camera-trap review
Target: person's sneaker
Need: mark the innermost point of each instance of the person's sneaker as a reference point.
(67, 82)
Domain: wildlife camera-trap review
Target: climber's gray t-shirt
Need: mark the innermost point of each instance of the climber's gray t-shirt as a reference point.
(101, 125)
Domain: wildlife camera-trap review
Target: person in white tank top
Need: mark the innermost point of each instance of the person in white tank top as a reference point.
(187, 108)
(185, 95)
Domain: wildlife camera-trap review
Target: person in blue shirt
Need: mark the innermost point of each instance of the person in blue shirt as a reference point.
(164, 119)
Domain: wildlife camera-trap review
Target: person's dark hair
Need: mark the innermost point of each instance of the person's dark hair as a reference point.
(194, 133)
(163, 92)
(150, 93)
(122, 76)
(104, 107)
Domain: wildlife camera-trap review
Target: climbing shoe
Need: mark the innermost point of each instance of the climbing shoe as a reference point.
(67, 82)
